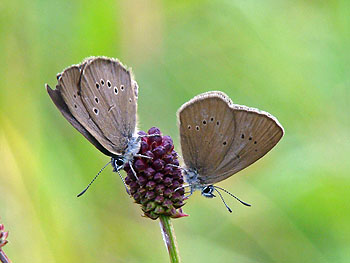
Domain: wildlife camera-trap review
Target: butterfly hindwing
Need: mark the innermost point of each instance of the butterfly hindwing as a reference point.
(68, 92)
(56, 97)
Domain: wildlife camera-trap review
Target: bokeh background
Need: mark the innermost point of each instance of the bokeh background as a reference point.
(290, 58)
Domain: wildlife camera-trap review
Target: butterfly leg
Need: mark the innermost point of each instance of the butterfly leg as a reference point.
(142, 156)
(133, 171)
(149, 135)
(187, 196)
(184, 186)
(126, 187)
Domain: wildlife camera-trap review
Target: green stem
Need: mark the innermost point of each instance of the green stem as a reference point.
(169, 238)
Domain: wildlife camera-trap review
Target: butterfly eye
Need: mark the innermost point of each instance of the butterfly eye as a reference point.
(206, 190)
(119, 162)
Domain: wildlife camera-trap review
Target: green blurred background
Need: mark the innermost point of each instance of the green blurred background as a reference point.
(290, 58)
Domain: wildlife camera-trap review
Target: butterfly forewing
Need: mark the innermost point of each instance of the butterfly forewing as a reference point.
(67, 97)
(218, 138)
(108, 93)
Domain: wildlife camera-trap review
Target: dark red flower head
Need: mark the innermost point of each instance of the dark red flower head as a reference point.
(157, 184)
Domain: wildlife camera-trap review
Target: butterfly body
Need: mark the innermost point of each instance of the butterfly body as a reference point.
(131, 150)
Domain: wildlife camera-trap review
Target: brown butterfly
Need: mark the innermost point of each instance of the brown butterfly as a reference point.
(99, 98)
(219, 138)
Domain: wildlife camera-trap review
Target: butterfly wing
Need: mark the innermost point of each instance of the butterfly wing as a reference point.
(219, 138)
(71, 98)
(109, 95)
(56, 97)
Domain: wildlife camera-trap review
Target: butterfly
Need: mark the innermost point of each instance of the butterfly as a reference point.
(219, 138)
(99, 98)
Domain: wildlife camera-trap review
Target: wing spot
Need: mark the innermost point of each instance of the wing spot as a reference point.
(75, 96)
(212, 119)
(224, 143)
(122, 87)
(96, 99)
(217, 123)
(109, 83)
(242, 136)
(250, 138)
(115, 90)
(130, 100)
(255, 142)
(102, 82)
(197, 128)
(189, 127)
(97, 85)
(96, 111)
(75, 106)
(204, 122)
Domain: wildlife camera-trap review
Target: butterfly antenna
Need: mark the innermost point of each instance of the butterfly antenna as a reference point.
(93, 179)
(243, 203)
(228, 208)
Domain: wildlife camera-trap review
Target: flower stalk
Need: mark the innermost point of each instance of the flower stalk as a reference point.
(169, 238)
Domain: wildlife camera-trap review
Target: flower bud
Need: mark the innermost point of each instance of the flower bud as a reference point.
(150, 185)
(149, 172)
(158, 177)
(139, 165)
(158, 151)
(167, 181)
(158, 164)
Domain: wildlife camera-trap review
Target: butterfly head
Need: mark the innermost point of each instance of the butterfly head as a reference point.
(207, 191)
(118, 163)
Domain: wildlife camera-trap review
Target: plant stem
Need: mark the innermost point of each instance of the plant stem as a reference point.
(169, 238)
(3, 257)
